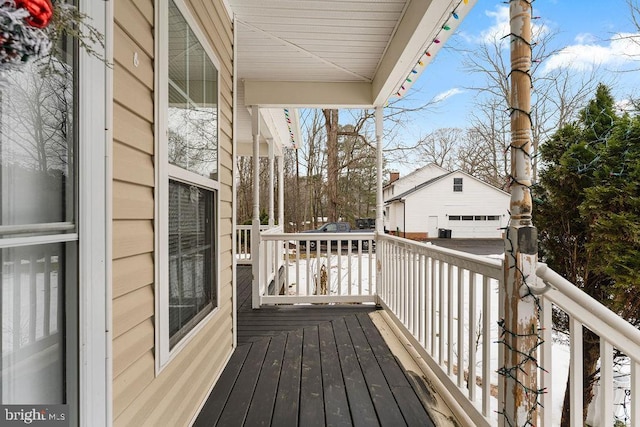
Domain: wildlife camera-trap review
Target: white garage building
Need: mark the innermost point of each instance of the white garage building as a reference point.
(433, 202)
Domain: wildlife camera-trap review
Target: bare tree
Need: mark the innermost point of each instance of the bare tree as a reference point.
(440, 147)
(557, 95)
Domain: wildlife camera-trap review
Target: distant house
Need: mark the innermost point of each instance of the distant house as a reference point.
(431, 200)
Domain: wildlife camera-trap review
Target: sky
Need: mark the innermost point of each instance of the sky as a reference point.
(588, 33)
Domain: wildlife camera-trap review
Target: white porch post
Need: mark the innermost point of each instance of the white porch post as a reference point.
(281, 191)
(518, 395)
(255, 223)
(271, 182)
(379, 199)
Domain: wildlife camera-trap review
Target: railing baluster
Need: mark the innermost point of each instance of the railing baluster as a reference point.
(434, 326)
(339, 272)
(462, 278)
(441, 314)
(575, 372)
(33, 301)
(420, 275)
(635, 394)
(450, 319)
(349, 278)
(546, 362)
(472, 338)
(486, 346)
(359, 249)
(410, 293)
(427, 302)
(606, 382)
(329, 256)
(17, 300)
(308, 250)
(46, 328)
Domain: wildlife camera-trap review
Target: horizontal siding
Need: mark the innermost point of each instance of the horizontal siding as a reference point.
(130, 93)
(133, 166)
(132, 201)
(131, 346)
(132, 58)
(132, 309)
(172, 396)
(132, 273)
(128, 385)
(131, 130)
(132, 238)
(137, 22)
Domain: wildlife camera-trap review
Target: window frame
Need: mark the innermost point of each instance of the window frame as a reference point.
(166, 171)
(457, 186)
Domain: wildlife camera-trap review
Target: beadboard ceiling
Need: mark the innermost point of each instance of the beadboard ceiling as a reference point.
(334, 53)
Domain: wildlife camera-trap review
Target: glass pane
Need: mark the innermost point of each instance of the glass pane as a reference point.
(191, 257)
(34, 287)
(36, 145)
(193, 105)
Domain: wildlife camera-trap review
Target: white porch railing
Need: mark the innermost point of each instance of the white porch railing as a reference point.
(618, 389)
(317, 268)
(447, 304)
(243, 243)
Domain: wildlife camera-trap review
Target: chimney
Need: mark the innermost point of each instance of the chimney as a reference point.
(394, 176)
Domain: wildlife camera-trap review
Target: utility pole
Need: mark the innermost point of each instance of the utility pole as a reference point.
(520, 335)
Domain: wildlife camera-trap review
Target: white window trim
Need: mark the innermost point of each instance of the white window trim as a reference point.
(164, 170)
(94, 224)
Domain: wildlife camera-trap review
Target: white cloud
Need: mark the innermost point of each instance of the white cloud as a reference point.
(585, 38)
(447, 94)
(500, 27)
(622, 49)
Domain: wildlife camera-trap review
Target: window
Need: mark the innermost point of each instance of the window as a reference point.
(188, 181)
(480, 218)
(38, 235)
(454, 217)
(457, 184)
(493, 217)
(467, 217)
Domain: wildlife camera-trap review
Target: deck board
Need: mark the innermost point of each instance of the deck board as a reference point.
(310, 366)
(311, 396)
(285, 412)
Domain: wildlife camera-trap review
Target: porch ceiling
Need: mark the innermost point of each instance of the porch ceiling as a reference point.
(333, 53)
(329, 54)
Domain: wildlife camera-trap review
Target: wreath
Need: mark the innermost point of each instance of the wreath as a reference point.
(30, 29)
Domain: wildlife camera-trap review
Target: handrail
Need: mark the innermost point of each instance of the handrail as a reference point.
(590, 311)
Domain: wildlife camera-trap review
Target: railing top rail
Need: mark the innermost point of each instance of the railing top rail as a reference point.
(452, 256)
(590, 312)
(249, 227)
(276, 229)
(317, 236)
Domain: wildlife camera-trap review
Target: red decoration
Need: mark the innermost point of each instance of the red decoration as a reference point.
(41, 12)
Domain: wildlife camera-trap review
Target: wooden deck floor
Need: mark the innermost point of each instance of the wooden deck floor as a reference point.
(310, 366)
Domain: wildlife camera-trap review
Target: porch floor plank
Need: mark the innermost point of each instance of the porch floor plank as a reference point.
(311, 396)
(243, 389)
(335, 396)
(386, 407)
(285, 412)
(261, 409)
(310, 366)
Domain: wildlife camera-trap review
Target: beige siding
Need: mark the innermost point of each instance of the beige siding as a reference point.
(172, 396)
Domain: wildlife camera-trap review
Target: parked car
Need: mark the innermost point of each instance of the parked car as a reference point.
(365, 225)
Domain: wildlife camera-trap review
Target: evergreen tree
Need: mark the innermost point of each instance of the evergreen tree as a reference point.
(588, 211)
